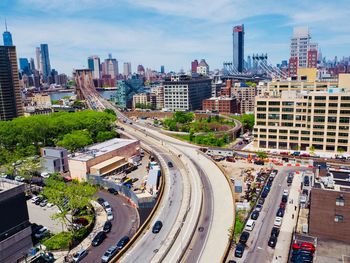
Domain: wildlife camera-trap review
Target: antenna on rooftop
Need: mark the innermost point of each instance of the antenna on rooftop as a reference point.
(5, 24)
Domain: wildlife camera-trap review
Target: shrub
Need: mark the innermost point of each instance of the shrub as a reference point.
(59, 241)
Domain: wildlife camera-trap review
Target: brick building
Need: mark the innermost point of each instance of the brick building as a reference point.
(220, 105)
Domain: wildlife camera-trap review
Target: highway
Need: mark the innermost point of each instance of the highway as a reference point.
(125, 222)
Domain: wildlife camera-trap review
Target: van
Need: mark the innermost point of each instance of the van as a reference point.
(250, 225)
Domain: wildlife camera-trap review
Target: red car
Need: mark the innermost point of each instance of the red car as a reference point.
(283, 205)
(304, 155)
(304, 246)
(284, 153)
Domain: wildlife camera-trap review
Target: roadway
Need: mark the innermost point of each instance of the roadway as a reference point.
(257, 249)
(125, 223)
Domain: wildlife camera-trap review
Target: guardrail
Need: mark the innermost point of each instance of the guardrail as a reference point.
(149, 218)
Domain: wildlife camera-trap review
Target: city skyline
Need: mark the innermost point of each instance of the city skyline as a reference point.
(155, 33)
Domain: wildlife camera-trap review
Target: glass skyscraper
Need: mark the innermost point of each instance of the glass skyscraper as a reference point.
(238, 47)
(45, 59)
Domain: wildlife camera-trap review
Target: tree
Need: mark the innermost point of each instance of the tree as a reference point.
(75, 140)
(183, 117)
(312, 150)
(106, 135)
(110, 111)
(68, 197)
(340, 150)
(261, 155)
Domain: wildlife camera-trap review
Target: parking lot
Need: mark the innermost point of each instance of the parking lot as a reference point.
(332, 251)
(42, 216)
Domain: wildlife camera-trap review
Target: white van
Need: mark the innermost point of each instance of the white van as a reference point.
(250, 225)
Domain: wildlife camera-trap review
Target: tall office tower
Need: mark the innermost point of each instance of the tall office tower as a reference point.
(94, 66)
(111, 67)
(312, 56)
(127, 69)
(38, 59)
(140, 70)
(238, 47)
(32, 65)
(24, 65)
(10, 95)
(194, 65)
(7, 37)
(45, 60)
(162, 69)
(249, 62)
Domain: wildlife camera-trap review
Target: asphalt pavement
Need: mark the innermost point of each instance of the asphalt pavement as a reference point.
(125, 222)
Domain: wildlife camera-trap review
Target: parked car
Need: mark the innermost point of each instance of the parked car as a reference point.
(272, 241)
(100, 200)
(43, 203)
(112, 191)
(157, 227)
(278, 221)
(259, 162)
(284, 198)
(264, 194)
(250, 225)
(280, 212)
(109, 254)
(80, 255)
(34, 199)
(244, 237)
(107, 226)
(283, 205)
(42, 232)
(98, 239)
(122, 242)
(305, 192)
(261, 201)
(306, 180)
(275, 231)
(295, 154)
(239, 250)
(107, 207)
(258, 208)
(110, 216)
(290, 179)
(81, 221)
(254, 215)
(170, 164)
(35, 228)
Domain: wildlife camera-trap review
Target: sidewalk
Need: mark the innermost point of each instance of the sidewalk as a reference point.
(100, 219)
(289, 222)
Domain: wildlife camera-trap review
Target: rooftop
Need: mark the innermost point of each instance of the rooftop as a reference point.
(99, 149)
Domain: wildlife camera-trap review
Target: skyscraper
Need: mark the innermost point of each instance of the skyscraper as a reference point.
(162, 69)
(95, 66)
(32, 65)
(38, 59)
(10, 97)
(238, 47)
(111, 67)
(7, 37)
(127, 69)
(45, 60)
(24, 65)
(194, 65)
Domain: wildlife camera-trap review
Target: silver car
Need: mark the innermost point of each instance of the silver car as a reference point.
(109, 254)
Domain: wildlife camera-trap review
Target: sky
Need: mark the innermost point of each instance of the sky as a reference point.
(170, 32)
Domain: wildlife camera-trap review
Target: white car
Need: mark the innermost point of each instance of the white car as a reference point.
(50, 205)
(109, 209)
(285, 192)
(80, 255)
(19, 178)
(34, 199)
(110, 216)
(278, 221)
(45, 175)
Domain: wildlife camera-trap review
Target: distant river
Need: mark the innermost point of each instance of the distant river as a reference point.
(59, 95)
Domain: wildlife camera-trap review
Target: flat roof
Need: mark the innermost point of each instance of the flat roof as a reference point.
(99, 149)
(107, 162)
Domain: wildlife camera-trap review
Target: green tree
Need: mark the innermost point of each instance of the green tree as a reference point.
(312, 150)
(75, 140)
(340, 150)
(183, 117)
(261, 155)
(68, 197)
(78, 104)
(110, 111)
(106, 135)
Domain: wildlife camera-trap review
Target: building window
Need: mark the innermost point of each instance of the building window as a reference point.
(338, 218)
(339, 201)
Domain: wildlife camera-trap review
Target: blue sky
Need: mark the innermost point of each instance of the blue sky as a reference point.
(169, 32)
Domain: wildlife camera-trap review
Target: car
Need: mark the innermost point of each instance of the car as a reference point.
(307, 246)
(264, 194)
(19, 178)
(42, 232)
(304, 155)
(239, 250)
(272, 241)
(285, 192)
(45, 175)
(170, 164)
(295, 154)
(258, 208)
(278, 221)
(284, 198)
(280, 212)
(43, 203)
(110, 216)
(261, 201)
(244, 237)
(112, 191)
(35, 228)
(38, 201)
(275, 231)
(81, 221)
(254, 215)
(34, 199)
(107, 226)
(259, 162)
(157, 227)
(290, 179)
(107, 207)
(305, 192)
(80, 255)
(109, 254)
(306, 180)
(48, 257)
(250, 225)
(98, 239)
(100, 200)
(283, 205)
(50, 205)
(122, 242)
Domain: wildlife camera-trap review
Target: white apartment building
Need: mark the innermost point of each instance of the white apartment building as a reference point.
(300, 45)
